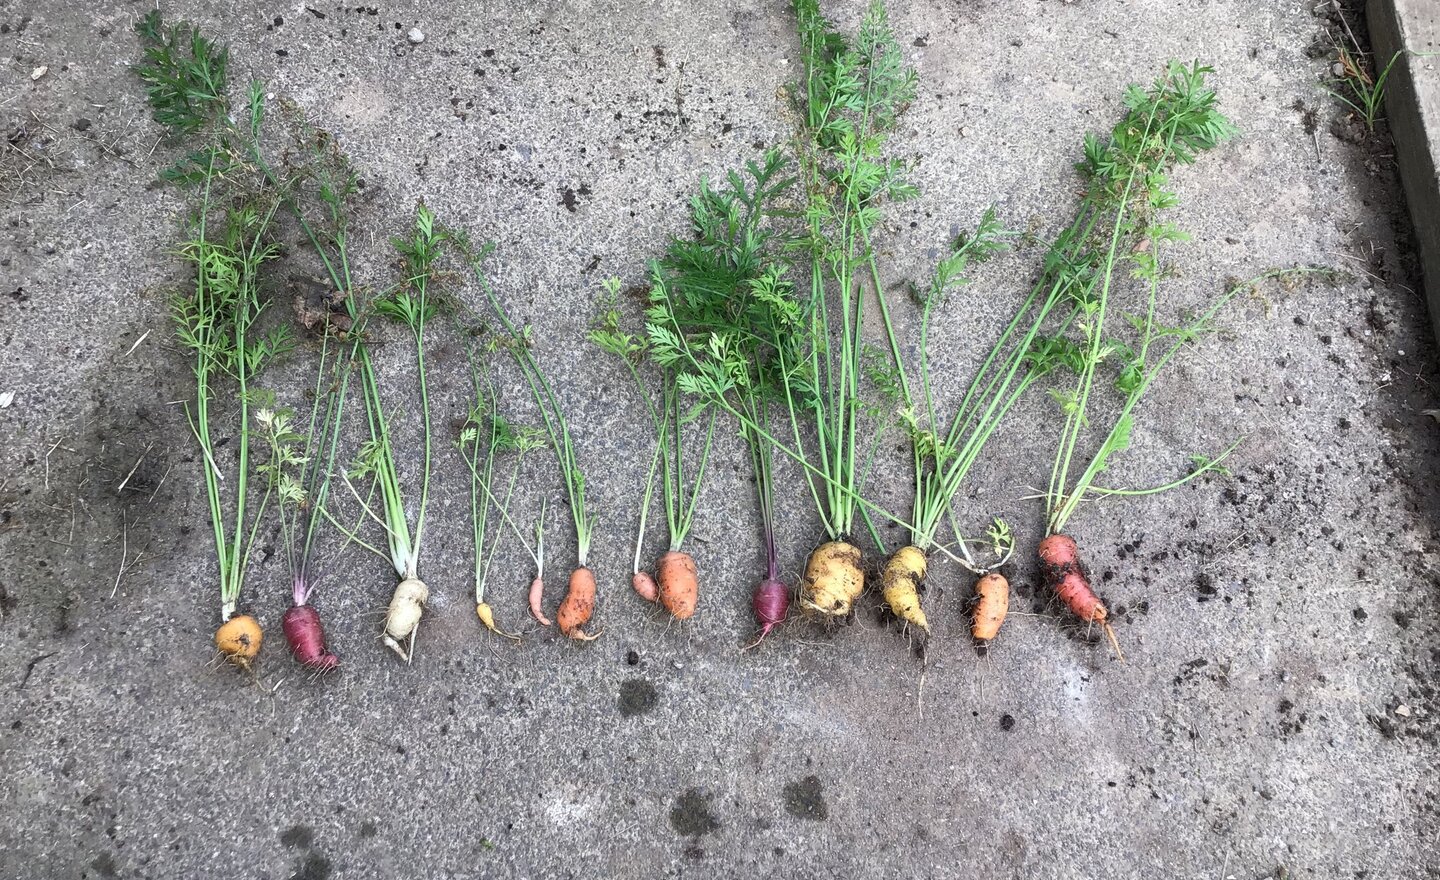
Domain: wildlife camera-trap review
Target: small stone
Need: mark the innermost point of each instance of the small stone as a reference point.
(416, 36)
(39, 72)
(1337, 69)
(1402, 710)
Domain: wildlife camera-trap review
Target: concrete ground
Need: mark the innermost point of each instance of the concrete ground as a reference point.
(1408, 31)
(1278, 713)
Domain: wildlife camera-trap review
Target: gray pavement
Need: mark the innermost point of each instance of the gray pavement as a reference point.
(1278, 713)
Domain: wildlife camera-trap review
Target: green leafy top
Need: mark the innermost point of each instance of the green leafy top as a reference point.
(853, 94)
(184, 74)
(1172, 122)
(720, 308)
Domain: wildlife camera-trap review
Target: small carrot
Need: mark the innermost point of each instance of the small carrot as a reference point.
(1060, 561)
(578, 605)
(679, 584)
(306, 637)
(537, 601)
(645, 586)
(239, 640)
(402, 619)
(833, 579)
(900, 583)
(992, 601)
(487, 617)
(770, 602)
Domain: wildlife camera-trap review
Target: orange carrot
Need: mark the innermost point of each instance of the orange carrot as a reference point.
(679, 584)
(239, 639)
(992, 601)
(578, 605)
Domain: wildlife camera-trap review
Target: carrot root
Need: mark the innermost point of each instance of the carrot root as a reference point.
(833, 579)
(1060, 563)
(679, 584)
(578, 605)
(900, 584)
(487, 617)
(992, 603)
(239, 640)
(770, 602)
(402, 619)
(306, 637)
(537, 601)
(645, 585)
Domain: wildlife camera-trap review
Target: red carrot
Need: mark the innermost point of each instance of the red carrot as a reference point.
(306, 637)
(1060, 562)
(770, 602)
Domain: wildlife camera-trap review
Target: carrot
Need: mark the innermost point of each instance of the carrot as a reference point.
(402, 619)
(770, 602)
(487, 617)
(1060, 563)
(306, 637)
(239, 639)
(645, 585)
(537, 601)
(900, 583)
(833, 579)
(992, 601)
(679, 584)
(578, 605)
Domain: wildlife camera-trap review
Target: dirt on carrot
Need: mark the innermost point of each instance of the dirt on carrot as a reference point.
(578, 605)
(679, 584)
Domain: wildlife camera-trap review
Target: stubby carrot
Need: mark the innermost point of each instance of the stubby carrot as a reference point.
(992, 602)
(239, 640)
(833, 579)
(679, 584)
(306, 637)
(578, 605)
(645, 586)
